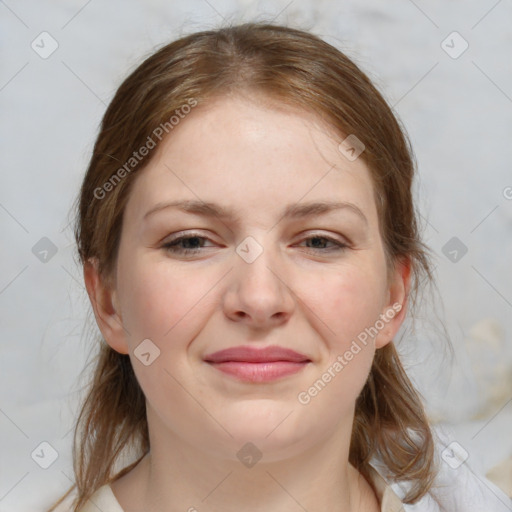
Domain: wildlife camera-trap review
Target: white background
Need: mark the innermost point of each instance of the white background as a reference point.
(457, 111)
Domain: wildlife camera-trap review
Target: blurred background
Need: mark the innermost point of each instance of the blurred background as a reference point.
(444, 67)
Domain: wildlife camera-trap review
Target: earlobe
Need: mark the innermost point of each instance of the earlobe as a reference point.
(105, 307)
(395, 310)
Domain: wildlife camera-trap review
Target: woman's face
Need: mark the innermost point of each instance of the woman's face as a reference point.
(270, 270)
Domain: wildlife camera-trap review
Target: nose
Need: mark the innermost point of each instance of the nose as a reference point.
(258, 293)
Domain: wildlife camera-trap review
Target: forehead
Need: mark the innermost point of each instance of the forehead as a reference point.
(253, 156)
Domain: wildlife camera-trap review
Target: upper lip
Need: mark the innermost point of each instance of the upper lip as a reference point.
(256, 355)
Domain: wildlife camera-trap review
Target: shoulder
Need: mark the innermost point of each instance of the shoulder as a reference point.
(457, 486)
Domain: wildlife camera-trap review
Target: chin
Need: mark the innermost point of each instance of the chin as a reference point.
(270, 425)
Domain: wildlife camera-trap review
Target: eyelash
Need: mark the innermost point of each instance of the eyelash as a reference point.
(171, 246)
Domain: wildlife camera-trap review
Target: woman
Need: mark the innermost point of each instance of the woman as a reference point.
(250, 250)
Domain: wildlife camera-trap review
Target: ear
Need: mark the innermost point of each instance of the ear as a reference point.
(395, 309)
(106, 309)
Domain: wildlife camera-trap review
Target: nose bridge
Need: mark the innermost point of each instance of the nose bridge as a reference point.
(258, 288)
(257, 264)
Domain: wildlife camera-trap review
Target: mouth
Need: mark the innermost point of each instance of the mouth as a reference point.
(258, 365)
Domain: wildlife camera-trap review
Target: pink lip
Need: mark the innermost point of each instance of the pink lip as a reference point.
(258, 365)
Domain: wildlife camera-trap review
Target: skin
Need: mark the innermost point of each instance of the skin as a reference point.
(255, 157)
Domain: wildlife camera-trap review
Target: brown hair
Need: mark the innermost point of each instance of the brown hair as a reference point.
(302, 70)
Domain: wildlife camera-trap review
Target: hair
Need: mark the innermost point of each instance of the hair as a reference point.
(301, 70)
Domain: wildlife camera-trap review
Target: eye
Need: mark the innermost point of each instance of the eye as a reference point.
(319, 242)
(192, 240)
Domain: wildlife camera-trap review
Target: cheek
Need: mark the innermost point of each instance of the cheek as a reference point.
(159, 300)
(166, 306)
(346, 305)
(347, 300)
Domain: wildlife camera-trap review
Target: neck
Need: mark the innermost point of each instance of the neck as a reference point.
(180, 475)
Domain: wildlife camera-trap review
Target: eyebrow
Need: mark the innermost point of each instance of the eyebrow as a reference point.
(298, 210)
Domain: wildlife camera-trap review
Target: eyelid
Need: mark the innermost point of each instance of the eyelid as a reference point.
(336, 237)
(185, 234)
(304, 234)
(172, 245)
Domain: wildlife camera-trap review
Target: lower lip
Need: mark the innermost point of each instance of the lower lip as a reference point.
(259, 372)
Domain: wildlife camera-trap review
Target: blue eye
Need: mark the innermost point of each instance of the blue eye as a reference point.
(193, 243)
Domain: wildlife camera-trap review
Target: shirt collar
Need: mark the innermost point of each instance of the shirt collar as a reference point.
(388, 499)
